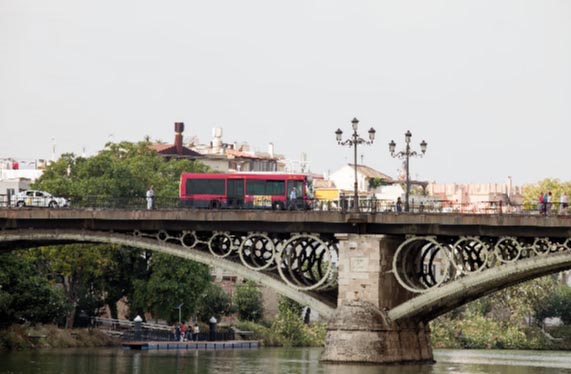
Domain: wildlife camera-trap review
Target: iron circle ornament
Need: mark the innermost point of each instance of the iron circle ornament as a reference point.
(304, 262)
(508, 249)
(470, 254)
(542, 246)
(221, 244)
(162, 235)
(257, 251)
(421, 266)
(188, 239)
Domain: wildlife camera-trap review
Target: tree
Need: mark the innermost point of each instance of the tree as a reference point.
(127, 268)
(117, 176)
(289, 323)
(94, 275)
(555, 186)
(248, 302)
(558, 304)
(173, 282)
(215, 302)
(25, 296)
(79, 268)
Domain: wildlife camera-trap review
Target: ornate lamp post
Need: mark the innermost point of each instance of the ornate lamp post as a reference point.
(406, 155)
(353, 141)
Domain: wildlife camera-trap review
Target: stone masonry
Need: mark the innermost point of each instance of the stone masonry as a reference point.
(360, 330)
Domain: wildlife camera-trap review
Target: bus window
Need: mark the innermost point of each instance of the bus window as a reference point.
(275, 188)
(255, 187)
(205, 186)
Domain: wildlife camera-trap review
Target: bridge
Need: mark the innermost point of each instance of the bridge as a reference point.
(378, 277)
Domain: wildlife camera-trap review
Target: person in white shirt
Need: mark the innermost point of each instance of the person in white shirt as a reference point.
(150, 197)
(564, 200)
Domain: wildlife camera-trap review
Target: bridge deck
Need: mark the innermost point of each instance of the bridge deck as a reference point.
(287, 222)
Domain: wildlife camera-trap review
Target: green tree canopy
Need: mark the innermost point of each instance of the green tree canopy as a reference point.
(215, 302)
(248, 302)
(121, 172)
(26, 296)
(93, 275)
(173, 282)
(555, 186)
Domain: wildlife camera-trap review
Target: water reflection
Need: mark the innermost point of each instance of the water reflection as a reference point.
(272, 360)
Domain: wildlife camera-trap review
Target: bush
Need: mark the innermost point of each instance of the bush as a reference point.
(482, 333)
(264, 334)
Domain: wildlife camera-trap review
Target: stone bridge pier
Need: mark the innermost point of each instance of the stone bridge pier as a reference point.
(360, 331)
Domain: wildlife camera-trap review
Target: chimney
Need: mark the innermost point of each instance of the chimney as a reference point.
(178, 129)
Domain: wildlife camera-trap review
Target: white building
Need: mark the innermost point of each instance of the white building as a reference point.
(15, 180)
(344, 178)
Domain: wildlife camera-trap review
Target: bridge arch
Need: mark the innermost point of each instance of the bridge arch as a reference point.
(39, 237)
(444, 299)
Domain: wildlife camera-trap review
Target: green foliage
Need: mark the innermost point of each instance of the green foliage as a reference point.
(531, 192)
(289, 324)
(286, 305)
(173, 282)
(483, 333)
(514, 304)
(80, 268)
(557, 304)
(264, 334)
(377, 182)
(248, 302)
(292, 331)
(215, 302)
(94, 275)
(498, 320)
(25, 296)
(119, 174)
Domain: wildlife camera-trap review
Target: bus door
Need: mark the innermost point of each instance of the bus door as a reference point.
(298, 203)
(235, 196)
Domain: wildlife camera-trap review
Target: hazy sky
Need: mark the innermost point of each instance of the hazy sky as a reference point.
(486, 83)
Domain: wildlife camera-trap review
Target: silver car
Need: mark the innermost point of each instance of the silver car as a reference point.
(38, 199)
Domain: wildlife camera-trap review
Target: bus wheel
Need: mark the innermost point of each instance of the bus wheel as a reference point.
(214, 204)
(278, 205)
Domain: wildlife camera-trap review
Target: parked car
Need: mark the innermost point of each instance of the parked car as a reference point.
(38, 199)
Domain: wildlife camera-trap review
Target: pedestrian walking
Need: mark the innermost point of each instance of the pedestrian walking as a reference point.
(564, 200)
(399, 205)
(196, 331)
(293, 198)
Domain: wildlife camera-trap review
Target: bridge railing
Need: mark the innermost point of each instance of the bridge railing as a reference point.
(343, 204)
(493, 207)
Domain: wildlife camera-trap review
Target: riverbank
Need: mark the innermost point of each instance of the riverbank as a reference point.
(22, 337)
(482, 333)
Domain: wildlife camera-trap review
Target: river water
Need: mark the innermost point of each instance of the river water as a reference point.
(271, 360)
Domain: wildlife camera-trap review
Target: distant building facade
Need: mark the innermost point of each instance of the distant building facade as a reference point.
(14, 178)
(477, 197)
(232, 157)
(344, 178)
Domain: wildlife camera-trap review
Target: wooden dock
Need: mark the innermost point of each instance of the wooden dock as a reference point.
(200, 345)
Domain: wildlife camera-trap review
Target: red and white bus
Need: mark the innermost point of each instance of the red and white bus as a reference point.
(245, 190)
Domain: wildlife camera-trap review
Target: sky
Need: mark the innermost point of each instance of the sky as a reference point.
(487, 84)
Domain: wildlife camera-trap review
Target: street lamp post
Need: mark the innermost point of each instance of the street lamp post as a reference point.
(406, 155)
(354, 141)
(179, 307)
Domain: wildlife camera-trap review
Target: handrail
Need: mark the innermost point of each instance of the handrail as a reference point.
(343, 204)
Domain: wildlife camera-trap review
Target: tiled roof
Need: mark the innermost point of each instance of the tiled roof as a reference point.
(170, 149)
(370, 172)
